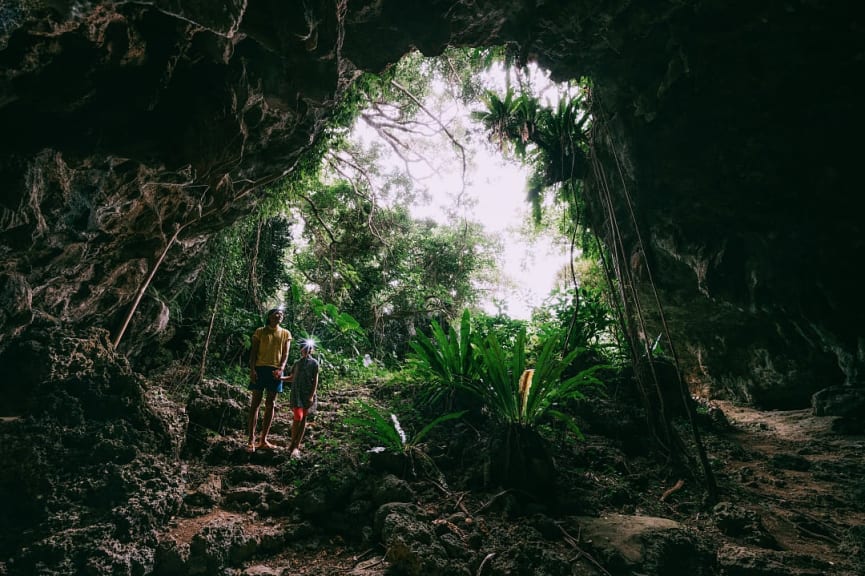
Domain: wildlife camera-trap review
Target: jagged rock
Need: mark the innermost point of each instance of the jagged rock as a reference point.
(219, 545)
(392, 489)
(107, 440)
(410, 540)
(208, 493)
(638, 543)
(845, 401)
(327, 494)
(218, 406)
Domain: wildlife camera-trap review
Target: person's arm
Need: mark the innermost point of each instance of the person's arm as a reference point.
(293, 376)
(283, 357)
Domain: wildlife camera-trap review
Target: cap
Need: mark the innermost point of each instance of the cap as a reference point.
(272, 310)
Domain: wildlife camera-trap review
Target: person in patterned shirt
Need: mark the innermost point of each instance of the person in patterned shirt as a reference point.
(302, 397)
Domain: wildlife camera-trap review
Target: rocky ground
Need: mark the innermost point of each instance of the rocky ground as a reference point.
(105, 472)
(791, 499)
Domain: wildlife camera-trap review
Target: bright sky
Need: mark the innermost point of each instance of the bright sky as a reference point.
(495, 196)
(499, 190)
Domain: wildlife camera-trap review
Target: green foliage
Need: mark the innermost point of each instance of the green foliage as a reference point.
(237, 374)
(515, 395)
(551, 387)
(245, 272)
(374, 426)
(551, 140)
(365, 275)
(386, 432)
(383, 269)
(583, 318)
(331, 314)
(498, 375)
(448, 359)
(353, 367)
(505, 328)
(498, 387)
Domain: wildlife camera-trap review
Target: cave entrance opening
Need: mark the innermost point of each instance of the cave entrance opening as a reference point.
(391, 225)
(576, 190)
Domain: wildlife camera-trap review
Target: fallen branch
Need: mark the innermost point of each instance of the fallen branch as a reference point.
(489, 556)
(676, 487)
(463, 506)
(362, 554)
(491, 501)
(582, 553)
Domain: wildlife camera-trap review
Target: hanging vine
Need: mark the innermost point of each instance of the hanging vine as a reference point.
(560, 144)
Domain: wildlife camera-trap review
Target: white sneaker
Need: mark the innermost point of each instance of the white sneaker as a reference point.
(295, 454)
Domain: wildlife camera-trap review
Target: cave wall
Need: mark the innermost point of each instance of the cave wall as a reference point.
(739, 148)
(133, 131)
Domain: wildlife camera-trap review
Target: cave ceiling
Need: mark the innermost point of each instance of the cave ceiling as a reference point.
(131, 132)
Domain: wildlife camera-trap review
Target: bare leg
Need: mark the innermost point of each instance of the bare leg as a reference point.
(297, 430)
(291, 435)
(269, 410)
(254, 403)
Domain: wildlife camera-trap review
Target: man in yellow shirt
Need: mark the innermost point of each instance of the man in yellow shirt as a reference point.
(267, 360)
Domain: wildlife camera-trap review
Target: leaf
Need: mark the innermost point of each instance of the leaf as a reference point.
(372, 425)
(347, 322)
(443, 418)
(448, 358)
(569, 421)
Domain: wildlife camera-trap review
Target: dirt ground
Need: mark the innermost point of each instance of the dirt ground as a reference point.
(791, 501)
(806, 483)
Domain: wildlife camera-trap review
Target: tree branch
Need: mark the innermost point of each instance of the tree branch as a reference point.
(317, 216)
(453, 140)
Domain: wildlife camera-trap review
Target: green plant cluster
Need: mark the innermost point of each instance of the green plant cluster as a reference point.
(385, 431)
(500, 379)
(510, 383)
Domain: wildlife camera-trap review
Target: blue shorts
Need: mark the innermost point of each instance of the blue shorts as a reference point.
(265, 380)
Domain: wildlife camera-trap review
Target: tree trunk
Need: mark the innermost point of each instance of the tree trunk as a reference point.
(144, 286)
(212, 320)
(253, 267)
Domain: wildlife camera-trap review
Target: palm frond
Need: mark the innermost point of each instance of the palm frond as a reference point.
(375, 427)
(448, 358)
(426, 429)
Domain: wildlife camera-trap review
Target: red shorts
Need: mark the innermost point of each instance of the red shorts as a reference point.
(299, 414)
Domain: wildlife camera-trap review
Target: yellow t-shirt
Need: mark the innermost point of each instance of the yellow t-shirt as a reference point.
(271, 342)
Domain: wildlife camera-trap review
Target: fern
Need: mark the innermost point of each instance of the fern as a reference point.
(386, 431)
(447, 359)
(375, 427)
(515, 395)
